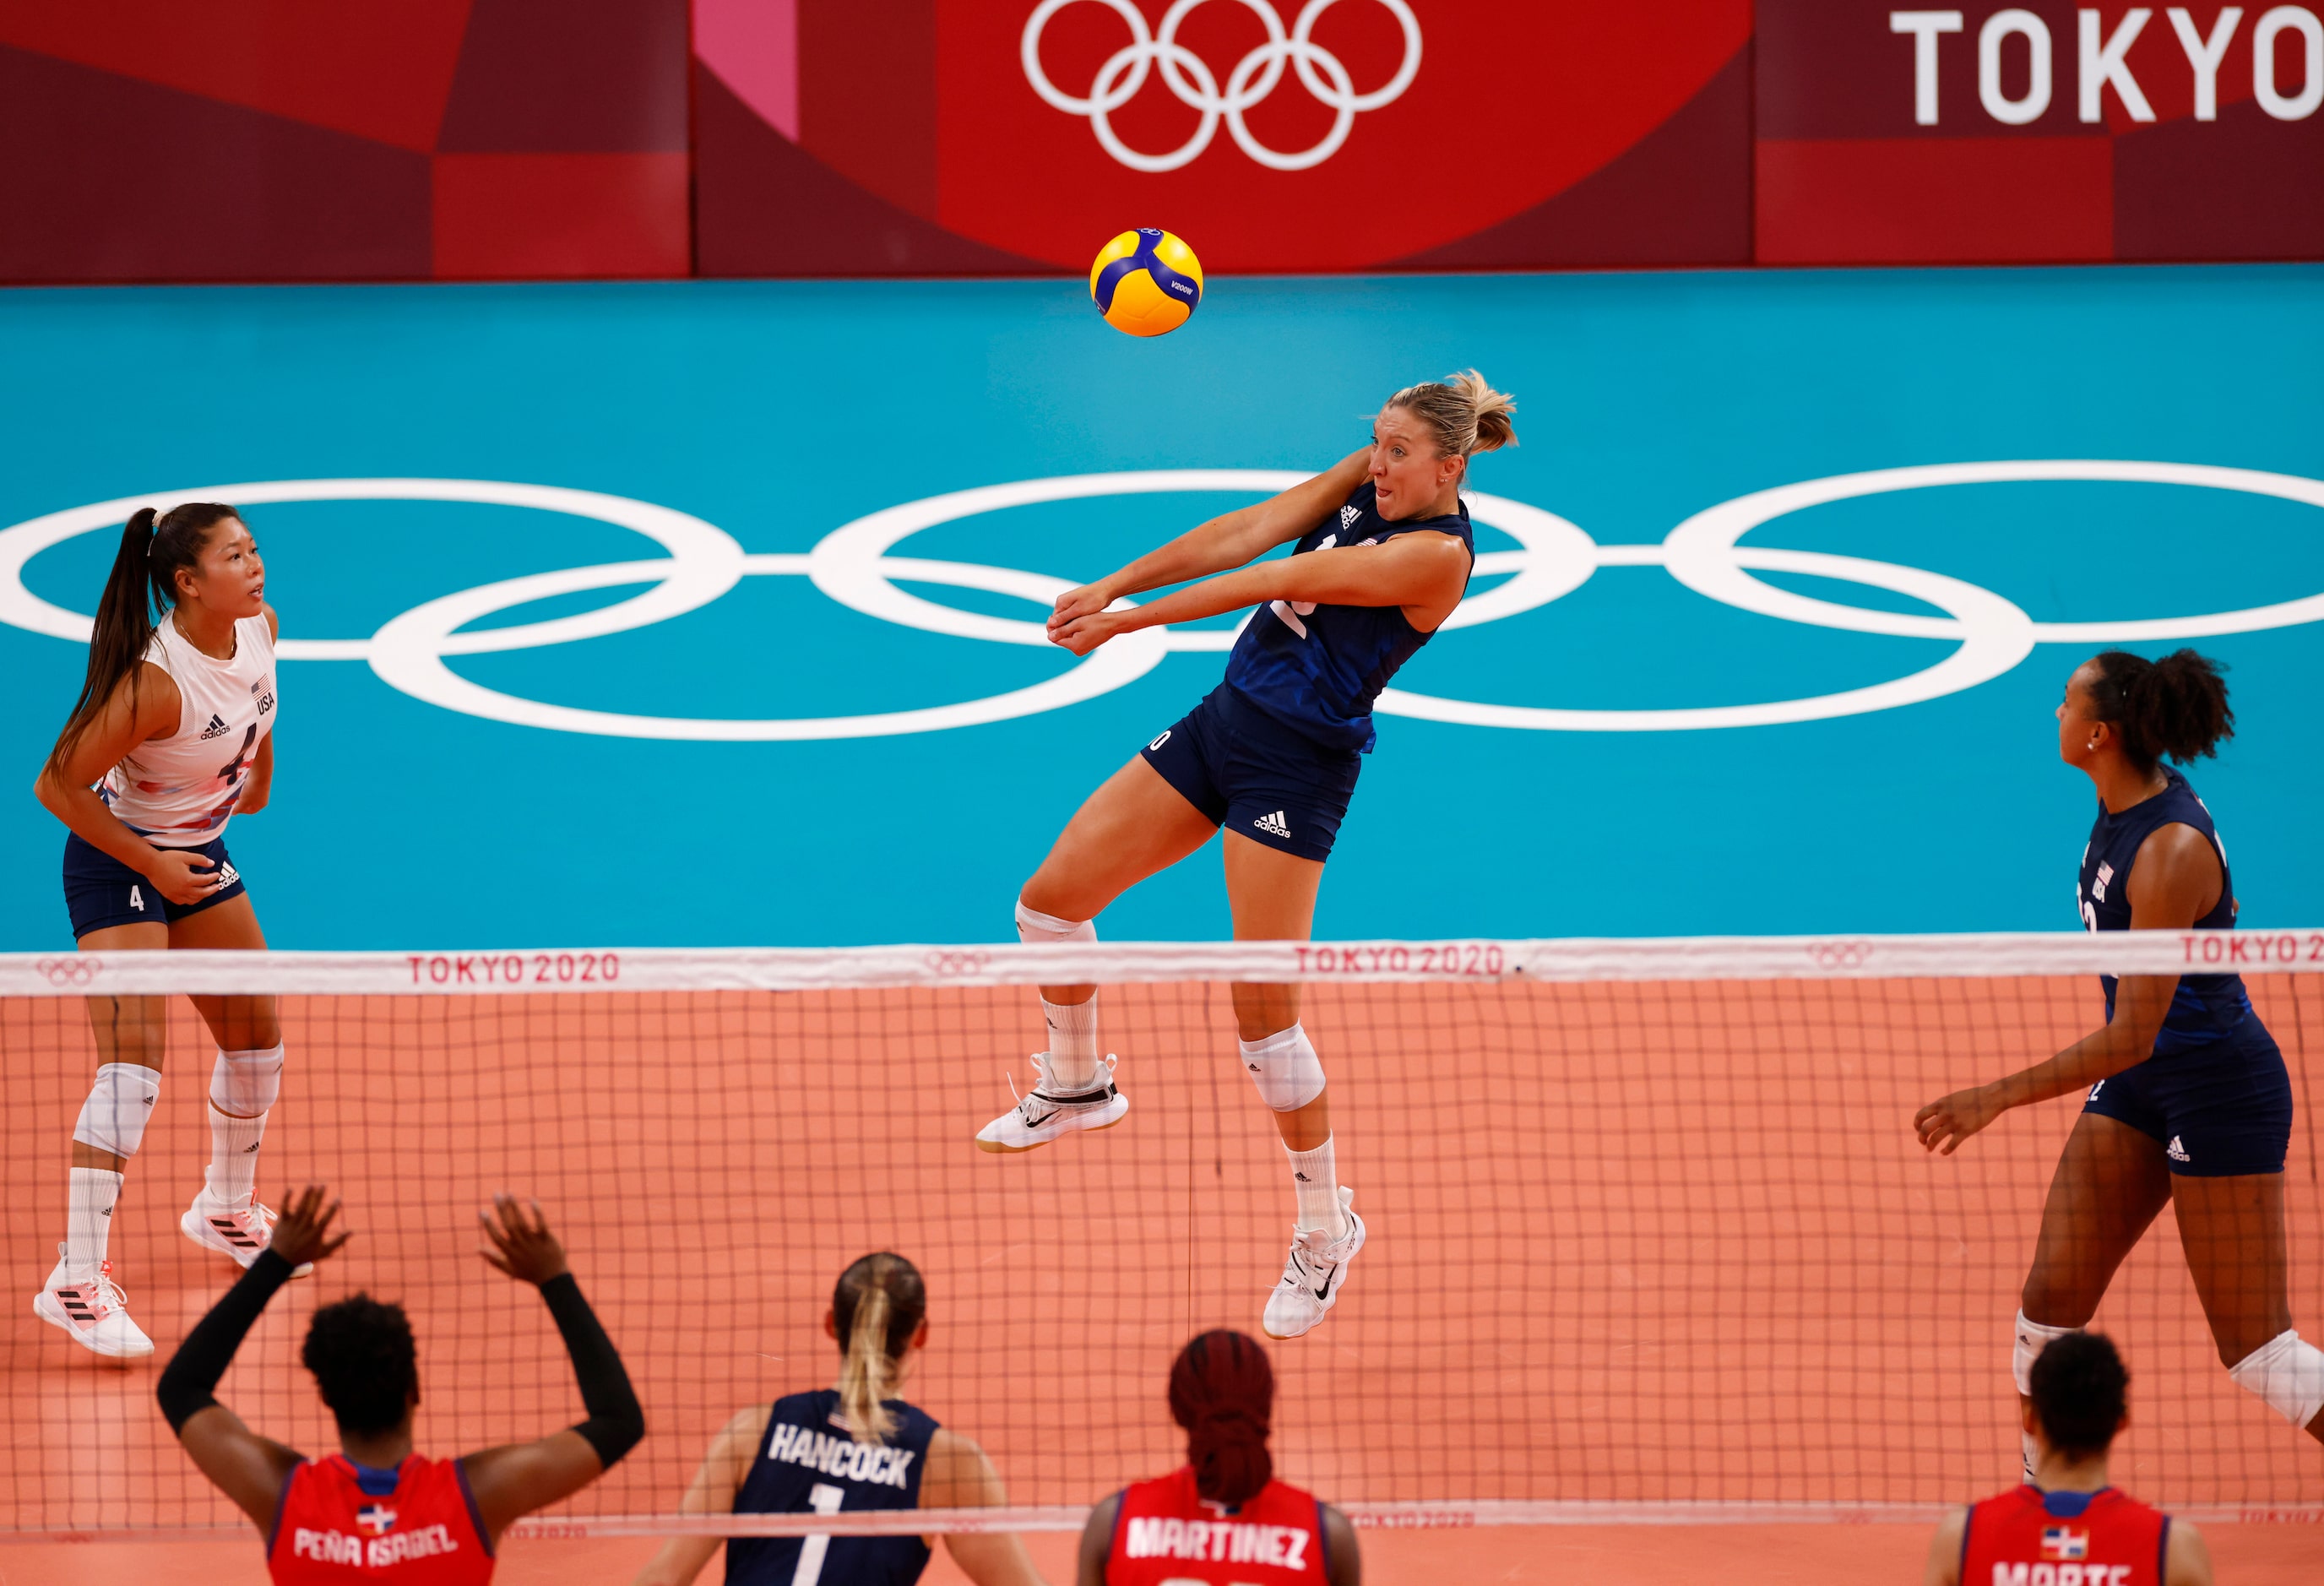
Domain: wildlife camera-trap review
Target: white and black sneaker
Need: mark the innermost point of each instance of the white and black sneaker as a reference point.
(1049, 1113)
(1313, 1275)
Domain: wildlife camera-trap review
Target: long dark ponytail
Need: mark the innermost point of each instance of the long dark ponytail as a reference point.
(142, 586)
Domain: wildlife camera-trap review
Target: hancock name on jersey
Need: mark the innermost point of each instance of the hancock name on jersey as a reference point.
(842, 1457)
(377, 1553)
(1228, 1542)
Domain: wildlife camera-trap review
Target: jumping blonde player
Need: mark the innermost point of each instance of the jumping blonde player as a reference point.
(172, 735)
(2188, 1100)
(1382, 558)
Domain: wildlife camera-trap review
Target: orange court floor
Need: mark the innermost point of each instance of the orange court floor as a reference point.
(1602, 1555)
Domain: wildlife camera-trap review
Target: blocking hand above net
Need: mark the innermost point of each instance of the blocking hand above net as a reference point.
(377, 1502)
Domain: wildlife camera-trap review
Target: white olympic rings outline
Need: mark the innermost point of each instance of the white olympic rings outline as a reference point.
(1188, 76)
(852, 565)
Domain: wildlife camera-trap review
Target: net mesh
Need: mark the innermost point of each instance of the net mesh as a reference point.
(1649, 1228)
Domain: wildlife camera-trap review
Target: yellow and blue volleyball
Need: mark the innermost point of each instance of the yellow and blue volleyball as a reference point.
(1145, 282)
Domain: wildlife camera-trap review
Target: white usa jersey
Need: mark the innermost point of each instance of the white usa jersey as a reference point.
(180, 791)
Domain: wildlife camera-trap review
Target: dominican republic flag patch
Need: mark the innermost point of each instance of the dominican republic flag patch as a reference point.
(2062, 1543)
(377, 1520)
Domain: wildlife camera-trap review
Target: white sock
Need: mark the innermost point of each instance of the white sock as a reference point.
(89, 1218)
(1315, 1181)
(1073, 1043)
(233, 1175)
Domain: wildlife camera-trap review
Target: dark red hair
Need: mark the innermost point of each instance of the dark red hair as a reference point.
(1222, 1392)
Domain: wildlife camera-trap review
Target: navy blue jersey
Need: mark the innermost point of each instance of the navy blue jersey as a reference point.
(2206, 1007)
(1317, 669)
(808, 1463)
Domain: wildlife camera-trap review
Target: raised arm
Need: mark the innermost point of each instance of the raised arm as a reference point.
(247, 1467)
(1225, 541)
(711, 1492)
(511, 1480)
(2174, 881)
(959, 1477)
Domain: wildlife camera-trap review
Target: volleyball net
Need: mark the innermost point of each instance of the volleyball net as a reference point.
(1650, 1234)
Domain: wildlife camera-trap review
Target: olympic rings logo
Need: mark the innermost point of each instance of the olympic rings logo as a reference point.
(854, 566)
(1188, 76)
(68, 972)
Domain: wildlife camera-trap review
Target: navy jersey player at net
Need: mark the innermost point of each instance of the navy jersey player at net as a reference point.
(1381, 555)
(842, 1451)
(2188, 1101)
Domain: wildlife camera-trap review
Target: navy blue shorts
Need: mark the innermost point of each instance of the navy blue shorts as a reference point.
(101, 891)
(1248, 772)
(2217, 1111)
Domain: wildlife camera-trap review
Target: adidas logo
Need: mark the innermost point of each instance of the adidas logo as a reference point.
(2177, 1152)
(1302, 1178)
(1274, 825)
(1348, 516)
(216, 729)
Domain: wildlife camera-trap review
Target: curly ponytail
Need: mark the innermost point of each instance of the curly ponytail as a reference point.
(2175, 707)
(877, 1305)
(1222, 1392)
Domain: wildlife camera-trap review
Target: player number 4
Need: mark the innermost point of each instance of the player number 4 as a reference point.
(137, 900)
(824, 1499)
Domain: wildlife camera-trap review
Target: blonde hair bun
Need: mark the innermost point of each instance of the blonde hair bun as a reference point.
(1464, 414)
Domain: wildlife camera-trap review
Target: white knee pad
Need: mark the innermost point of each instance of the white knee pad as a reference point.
(2287, 1373)
(2032, 1338)
(1284, 1068)
(1033, 925)
(245, 1084)
(114, 1117)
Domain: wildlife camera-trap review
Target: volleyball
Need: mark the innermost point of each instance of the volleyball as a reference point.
(1145, 282)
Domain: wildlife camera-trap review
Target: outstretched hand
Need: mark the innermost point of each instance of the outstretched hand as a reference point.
(302, 1230)
(1945, 1123)
(521, 1247)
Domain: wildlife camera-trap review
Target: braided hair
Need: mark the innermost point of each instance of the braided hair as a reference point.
(1222, 1392)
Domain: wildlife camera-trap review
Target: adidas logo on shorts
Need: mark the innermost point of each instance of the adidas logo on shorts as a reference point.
(216, 729)
(1274, 825)
(2177, 1152)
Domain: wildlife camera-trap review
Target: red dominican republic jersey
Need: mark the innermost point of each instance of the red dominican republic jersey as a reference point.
(2029, 1537)
(1166, 1531)
(339, 1525)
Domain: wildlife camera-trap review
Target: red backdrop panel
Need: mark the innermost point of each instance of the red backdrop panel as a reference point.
(275, 140)
(1867, 155)
(1419, 127)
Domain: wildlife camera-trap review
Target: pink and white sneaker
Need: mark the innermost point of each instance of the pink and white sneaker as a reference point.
(237, 1230)
(92, 1311)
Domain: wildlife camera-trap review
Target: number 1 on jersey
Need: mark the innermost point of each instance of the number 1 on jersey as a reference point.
(824, 1499)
